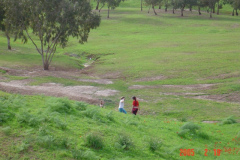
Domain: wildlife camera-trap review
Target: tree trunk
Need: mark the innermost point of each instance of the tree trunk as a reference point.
(154, 10)
(190, 9)
(182, 11)
(165, 9)
(199, 11)
(173, 11)
(8, 39)
(233, 12)
(108, 12)
(218, 8)
(236, 12)
(97, 4)
(211, 13)
(141, 5)
(213, 8)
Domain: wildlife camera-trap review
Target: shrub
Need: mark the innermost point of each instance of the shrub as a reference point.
(229, 120)
(60, 105)
(183, 133)
(94, 140)
(191, 126)
(125, 142)
(154, 144)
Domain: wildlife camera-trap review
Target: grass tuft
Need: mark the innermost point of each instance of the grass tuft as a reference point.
(94, 140)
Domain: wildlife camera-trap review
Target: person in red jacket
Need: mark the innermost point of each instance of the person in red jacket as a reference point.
(136, 106)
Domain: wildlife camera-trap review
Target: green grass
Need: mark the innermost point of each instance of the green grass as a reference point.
(35, 133)
(130, 46)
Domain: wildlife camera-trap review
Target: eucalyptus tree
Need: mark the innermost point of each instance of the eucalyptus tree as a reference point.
(153, 3)
(210, 4)
(111, 4)
(184, 3)
(52, 22)
(174, 4)
(4, 25)
(166, 4)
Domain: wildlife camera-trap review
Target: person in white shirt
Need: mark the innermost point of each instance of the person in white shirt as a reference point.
(121, 105)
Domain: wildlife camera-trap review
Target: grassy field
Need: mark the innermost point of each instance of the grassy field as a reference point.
(184, 70)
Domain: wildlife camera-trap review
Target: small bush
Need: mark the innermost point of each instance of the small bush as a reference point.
(7, 130)
(60, 105)
(191, 126)
(184, 132)
(229, 120)
(94, 140)
(125, 142)
(154, 144)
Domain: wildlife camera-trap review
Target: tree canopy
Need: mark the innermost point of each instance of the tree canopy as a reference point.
(53, 22)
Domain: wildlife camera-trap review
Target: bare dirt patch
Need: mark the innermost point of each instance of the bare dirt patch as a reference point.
(191, 87)
(161, 77)
(231, 97)
(90, 94)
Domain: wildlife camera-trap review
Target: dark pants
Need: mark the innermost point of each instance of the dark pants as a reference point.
(134, 111)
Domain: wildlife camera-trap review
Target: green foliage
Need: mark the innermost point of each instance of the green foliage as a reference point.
(60, 105)
(94, 140)
(155, 144)
(91, 112)
(203, 135)
(7, 130)
(124, 142)
(5, 113)
(229, 120)
(3, 71)
(25, 117)
(191, 127)
(60, 124)
(183, 119)
(23, 147)
(184, 133)
(110, 116)
(81, 106)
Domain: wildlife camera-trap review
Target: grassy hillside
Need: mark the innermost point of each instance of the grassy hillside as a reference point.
(184, 70)
(39, 127)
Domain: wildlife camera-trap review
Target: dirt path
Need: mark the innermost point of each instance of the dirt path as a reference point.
(90, 94)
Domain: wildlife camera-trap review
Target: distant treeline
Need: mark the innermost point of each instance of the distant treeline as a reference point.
(212, 5)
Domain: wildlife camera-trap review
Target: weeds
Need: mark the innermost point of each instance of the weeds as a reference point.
(80, 106)
(229, 120)
(124, 142)
(95, 141)
(154, 144)
(60, 105)
(191, 126)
